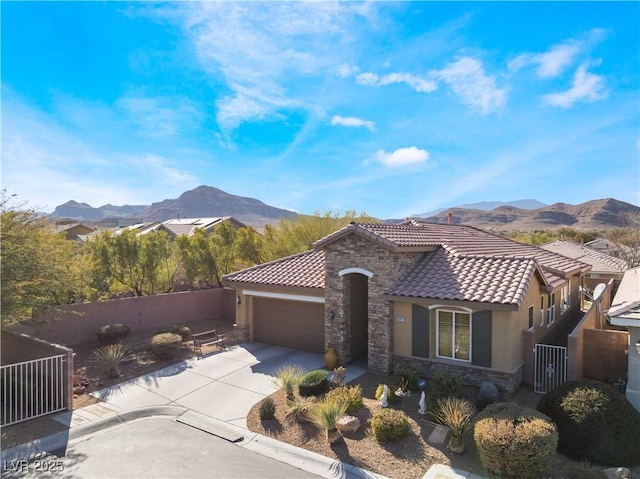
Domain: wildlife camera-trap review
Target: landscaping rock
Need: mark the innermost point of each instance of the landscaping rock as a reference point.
(488, 394)
(617, 473)
(349, 424)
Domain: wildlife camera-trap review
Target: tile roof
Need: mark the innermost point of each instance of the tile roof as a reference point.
(460, 263)
(445, 275)
(626, 302)
(600, 262)
(302, 270)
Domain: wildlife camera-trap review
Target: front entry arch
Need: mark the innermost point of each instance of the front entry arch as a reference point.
(359, 312)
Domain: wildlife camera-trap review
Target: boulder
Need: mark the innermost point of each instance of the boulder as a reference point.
(348, 424)
(488, 394)
(617, 473)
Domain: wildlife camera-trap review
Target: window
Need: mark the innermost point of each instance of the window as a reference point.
(541, 310)
(531, 317)
(551, 311)
(454, 335)
(565, 298)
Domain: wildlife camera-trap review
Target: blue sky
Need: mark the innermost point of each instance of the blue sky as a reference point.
(389, 108)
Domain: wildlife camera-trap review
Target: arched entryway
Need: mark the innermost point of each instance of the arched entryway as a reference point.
(357, 310)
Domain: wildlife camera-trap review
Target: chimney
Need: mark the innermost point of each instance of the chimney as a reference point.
(450, 218)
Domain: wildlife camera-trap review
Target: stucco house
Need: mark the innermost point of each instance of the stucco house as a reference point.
(625, 312)
(447, 298)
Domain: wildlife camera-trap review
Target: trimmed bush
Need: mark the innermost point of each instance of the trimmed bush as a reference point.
(314, 383)
(350, 395)
(595, 422)
(267, 409)
(514, 440)
(389, 424)
(183, 331)
(165, 345)
(112, 333)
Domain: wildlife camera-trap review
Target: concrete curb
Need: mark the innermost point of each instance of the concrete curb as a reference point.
(54, 442)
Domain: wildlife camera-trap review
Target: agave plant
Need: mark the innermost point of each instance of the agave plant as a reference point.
(287, 378)
(110, 357)
(457, 414)
(326, 413)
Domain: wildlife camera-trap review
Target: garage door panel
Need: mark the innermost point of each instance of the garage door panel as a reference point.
(291, 324)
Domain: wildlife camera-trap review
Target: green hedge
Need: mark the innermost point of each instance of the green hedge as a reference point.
(314, 383)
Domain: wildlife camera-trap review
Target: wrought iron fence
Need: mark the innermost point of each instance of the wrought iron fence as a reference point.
(32, 388)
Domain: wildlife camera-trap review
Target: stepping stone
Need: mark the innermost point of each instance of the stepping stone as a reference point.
(439, 435)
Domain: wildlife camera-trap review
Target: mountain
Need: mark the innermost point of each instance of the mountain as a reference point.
(203, 201)
(490, 205)
(592, 215)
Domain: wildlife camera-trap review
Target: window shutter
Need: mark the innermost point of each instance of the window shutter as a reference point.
(481, 339)
(420, 331)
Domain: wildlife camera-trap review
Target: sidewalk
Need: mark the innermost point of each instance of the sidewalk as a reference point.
(237, 378)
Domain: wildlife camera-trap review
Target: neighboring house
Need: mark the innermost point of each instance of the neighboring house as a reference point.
(140, 228)
(603, 266)
(187, 226)
(73, 231)
(625, 312)
(447, 298)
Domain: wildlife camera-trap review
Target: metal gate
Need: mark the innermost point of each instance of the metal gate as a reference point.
(32, 389)
(549, 367)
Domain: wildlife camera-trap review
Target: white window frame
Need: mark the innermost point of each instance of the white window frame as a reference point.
(531, 313)
(551, 310)
(565, 298)
(453, 334)
(541, 310)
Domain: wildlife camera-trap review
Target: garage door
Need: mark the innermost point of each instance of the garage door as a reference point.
(292, 324)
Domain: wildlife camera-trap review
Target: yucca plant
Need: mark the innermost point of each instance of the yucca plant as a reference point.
(110, 357)
(326, 413)
(457, 414)
(300, 406)
(287, 378)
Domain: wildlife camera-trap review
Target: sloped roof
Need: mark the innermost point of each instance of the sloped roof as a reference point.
(187, 226)
(600, 262)
(625, 306)
(445, 275)
(460, 263)
(302, 270)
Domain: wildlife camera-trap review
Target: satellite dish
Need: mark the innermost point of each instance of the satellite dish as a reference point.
(597, 292)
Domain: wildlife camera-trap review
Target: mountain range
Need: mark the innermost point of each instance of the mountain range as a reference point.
(521, 215)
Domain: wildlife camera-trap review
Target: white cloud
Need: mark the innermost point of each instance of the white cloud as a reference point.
(402, 157)
(550, 63)
(350, 121)
(416, 83)
(586, 87)
(476, 89)
(160, 116)
(345, 70)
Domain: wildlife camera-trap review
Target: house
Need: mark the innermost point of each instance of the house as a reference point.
(187, 226)
(625, 312)
(73, 231)
(603, 266)
(447, 298)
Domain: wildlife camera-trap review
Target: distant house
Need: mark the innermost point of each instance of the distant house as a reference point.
(446, 298)
(187, 226)
(73, 231)
(603, 266)
(625, 312)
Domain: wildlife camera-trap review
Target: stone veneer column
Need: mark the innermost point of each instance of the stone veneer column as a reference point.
(354, 251)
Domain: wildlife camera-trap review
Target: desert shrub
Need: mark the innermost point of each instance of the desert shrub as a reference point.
(442, 386)
(389, 424)
(391, 397)
(267, 409)
(350, 395)
(165, 345)
(112, 333)
(301, 406)
(288, 377)
(110, 357)
(339, 376)
(455, 413)
(183, 331)
(595, 422)
(313, 383)
(514, 440)
(327, 412)
(406, 376)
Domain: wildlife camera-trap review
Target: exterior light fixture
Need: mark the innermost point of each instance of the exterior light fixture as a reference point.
(638, 346)
(238, 300)
(332, 315)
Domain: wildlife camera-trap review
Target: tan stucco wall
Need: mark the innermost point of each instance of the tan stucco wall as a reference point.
(507, 327)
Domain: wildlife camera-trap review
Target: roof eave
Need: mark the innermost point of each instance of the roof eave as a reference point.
(453, 302)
